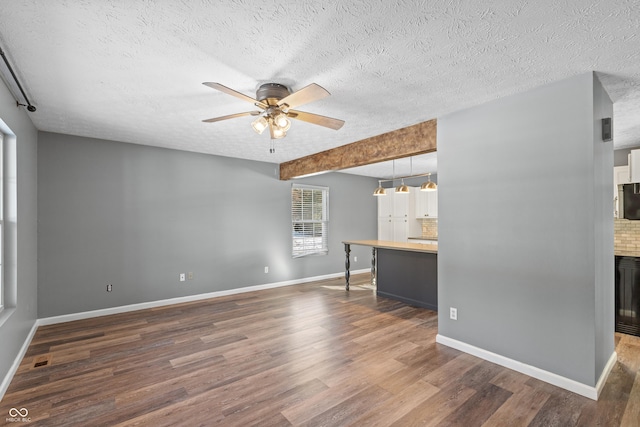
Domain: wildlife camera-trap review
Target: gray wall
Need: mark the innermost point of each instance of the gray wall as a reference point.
(525, 239)
(137, 216)
(21, 275)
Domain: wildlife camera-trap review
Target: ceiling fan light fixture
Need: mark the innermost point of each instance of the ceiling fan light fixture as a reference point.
(282, 121)
(259, 125)
(276, 131)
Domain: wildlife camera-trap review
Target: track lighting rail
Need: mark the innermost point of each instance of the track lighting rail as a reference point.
(405, 177)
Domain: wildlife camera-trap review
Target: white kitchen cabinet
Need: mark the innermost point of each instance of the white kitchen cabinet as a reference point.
(426, 204)
(385, 204)
(401, 229)
(395, 205)
(634, 166)
(385, 229)
(403, 203)
(620, 177)
(396, 216)
(396, 229)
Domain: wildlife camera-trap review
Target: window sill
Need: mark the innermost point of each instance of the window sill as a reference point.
(5, 313)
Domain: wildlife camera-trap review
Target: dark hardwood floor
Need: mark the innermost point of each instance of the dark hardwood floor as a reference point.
(308, 354)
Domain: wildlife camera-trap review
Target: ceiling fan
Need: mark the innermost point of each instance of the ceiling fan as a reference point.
(276, 102)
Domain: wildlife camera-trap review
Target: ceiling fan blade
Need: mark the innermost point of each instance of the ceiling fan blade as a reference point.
(307, 94)
(233, 116)
(229, 91)
(316, 119)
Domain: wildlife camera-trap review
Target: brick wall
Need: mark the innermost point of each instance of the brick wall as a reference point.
(626, 235)
(430, 227)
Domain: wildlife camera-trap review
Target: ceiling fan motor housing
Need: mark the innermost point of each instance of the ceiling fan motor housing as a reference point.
(271, 93)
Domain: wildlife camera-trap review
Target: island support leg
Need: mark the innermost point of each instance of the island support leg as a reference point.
(374, 271)
(347, 265)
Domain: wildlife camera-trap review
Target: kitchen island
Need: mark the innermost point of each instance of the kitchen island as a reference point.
(407, 272)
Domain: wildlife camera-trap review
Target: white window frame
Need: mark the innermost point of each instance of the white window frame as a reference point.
(309, 221)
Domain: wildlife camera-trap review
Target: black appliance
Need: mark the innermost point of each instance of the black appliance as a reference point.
(631, 201)
(627, 295)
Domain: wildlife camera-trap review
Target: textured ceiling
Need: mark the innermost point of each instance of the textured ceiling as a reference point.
(131, 70)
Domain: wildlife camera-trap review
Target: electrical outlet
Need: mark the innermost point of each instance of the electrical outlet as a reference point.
(453, 313)
(266, 269)
(355, 259)
(182, 277)
(190, 275)
(109, 287)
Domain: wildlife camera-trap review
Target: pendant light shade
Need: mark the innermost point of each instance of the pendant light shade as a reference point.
(380, 190)
(402, 188)
(429, 185)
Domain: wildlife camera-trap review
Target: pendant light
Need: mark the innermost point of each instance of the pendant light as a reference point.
(429, 185)
(380, 190)
(402, 188)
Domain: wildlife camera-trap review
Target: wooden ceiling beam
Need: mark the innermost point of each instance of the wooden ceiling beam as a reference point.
(405, 142)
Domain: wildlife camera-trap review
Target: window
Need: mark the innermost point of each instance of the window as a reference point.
(8, 223)
(309, 220)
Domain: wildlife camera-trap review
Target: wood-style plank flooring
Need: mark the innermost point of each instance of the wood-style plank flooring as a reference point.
(307, 354)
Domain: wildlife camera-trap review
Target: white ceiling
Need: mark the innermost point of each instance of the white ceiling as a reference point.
(132, 70)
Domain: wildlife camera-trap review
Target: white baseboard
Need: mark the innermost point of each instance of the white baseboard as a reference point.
(605, 373)
(532, 371)
(16, 363)
(178, 300)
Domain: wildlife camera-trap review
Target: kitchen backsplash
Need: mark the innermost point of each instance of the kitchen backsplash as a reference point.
(626, 235)
(430, 227)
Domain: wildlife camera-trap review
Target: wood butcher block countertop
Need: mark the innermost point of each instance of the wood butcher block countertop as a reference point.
(384, 244)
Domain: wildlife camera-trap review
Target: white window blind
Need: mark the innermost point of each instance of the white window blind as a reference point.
(309, 220)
